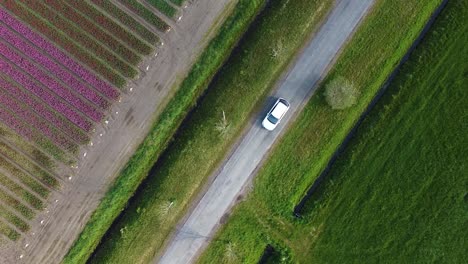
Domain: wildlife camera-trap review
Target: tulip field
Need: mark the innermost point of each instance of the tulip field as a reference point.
(63, 66)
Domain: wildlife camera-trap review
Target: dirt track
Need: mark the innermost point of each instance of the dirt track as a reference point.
(70, 208)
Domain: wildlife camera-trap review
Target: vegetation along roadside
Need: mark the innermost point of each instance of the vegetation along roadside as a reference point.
(265, 217)
(206, 137)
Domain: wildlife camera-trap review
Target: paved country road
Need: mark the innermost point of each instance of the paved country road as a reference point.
(297, 87)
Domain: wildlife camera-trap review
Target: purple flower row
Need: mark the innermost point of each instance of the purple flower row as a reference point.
(46, 95)
(15, 124)
(60, 122)
(41, 125)
(49, 82)
(53, 51)
(55, 68)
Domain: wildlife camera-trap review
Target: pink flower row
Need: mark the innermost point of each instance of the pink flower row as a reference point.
(59, 121)
(41, 125)
(49, 82)
(46, 95)
(55, 68)
(16, 125)
(57, 54)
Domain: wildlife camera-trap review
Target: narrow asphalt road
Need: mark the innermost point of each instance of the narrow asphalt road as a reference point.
(297, 88)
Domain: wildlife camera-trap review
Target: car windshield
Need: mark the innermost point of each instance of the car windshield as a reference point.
(272, 119)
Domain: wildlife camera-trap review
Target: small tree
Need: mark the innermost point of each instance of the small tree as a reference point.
(222, 126)
(341, 93)
(230, 252)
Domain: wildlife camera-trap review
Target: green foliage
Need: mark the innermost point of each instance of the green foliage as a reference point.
(302, 154)
(340, 93)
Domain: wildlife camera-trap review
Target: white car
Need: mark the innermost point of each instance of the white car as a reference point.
(276, 113)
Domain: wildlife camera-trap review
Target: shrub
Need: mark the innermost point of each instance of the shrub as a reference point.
(340, 93)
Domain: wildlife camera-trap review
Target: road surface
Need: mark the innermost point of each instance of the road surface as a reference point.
(297, 88)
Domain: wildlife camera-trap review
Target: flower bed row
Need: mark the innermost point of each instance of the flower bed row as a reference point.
(8, 232)
(164, 7)
(13, 219)
(37, 123)
(80, 37)
(45, 95)
(58, 55)
(64, 42)
(17, 205)
(114, 28)
(59, 121)
(24, 145)
(22, 193)
(27, 180)
(127, 20)
(146, 14)
(50, 83)
(177, 2)
(25, 131)
(24, 161)
(91, 28)
(57, 70)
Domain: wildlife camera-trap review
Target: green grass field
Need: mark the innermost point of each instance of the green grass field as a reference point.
(246, 79)
(265, 217)
(163, 130)
(399, 192)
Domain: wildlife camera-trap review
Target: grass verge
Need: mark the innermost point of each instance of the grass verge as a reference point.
(204, 140)
(163, 130)
(300, 156)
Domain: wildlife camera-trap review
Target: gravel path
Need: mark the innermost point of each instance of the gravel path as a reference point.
(297, 87)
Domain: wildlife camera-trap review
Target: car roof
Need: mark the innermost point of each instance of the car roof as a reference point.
(279, 110)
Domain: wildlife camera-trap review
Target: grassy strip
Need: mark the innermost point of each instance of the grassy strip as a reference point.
(114, 28)
(13, 219)
(200, 145)
(146, 14)
(266, 216)
(127, 20)
(164, 7)
(163, 129)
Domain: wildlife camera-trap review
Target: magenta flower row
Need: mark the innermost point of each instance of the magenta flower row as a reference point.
(55, 68)
(39, 124)
(49, 82)
(54, 118)
(46, 95)
(16, 125)
(57, 54)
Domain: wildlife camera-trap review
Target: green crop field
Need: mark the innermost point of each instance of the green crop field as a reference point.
(265, 217)
(142, 229)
